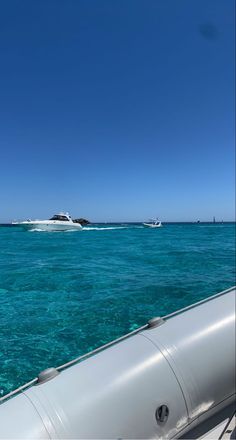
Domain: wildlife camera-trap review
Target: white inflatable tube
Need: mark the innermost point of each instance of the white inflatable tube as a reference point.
(160, 383)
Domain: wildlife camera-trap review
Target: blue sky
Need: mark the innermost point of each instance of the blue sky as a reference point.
(117, 110)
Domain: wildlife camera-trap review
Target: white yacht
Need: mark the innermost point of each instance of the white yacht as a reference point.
(155, 223)
(59, 222)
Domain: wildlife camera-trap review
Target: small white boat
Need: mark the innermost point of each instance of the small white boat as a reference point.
(155, 224)
(59, 222)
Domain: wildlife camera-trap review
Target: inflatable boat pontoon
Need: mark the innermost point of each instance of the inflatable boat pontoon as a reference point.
(173, 378)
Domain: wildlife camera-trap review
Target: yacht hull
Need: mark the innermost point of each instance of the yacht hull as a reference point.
(149, 225)
(50, 226)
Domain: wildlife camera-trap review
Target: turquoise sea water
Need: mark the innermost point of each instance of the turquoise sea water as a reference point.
(64, 293)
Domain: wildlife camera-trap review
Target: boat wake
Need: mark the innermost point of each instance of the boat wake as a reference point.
(108, 228)
(84, 229)
(48, 231)
(89, 228)
(36, 230)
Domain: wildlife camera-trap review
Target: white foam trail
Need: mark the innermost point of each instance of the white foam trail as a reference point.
(44, 230)
(87, 228)
(103, 229)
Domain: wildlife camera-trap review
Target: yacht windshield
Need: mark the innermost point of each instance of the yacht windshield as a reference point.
(62, 218)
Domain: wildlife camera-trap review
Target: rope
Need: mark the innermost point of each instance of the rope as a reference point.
(192, 306)
(23, 387)
(109, 344)
(74, 361)
(97, 350)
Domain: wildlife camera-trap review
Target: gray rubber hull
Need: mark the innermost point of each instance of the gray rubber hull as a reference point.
(160, 383)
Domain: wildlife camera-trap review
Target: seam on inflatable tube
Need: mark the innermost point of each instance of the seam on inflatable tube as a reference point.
(37, 411)
(162, 349)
